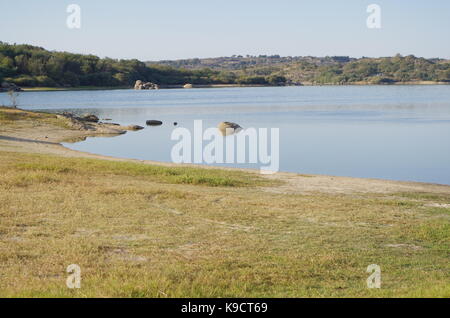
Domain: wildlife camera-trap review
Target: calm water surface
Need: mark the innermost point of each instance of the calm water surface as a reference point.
(388, 132)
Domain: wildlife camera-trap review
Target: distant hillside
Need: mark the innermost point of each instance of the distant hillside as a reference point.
(239, 62)
(28, 66)
(323, 70)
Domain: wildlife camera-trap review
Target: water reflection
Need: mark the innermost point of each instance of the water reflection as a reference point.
(391, 132)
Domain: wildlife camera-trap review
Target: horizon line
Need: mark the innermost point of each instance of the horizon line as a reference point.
(225, 56)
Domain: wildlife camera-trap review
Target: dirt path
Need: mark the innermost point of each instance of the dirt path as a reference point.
(31, 137)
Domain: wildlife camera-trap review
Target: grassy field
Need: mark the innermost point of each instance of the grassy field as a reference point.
(139, 230)
(17, 118)
(144, 231)
(10, 116)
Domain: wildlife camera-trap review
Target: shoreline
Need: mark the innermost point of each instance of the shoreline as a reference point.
(94, 88)
(45, 138)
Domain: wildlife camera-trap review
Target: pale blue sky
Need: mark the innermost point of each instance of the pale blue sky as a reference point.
(153, 30)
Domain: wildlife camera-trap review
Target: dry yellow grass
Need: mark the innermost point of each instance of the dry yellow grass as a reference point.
(139, 230)
(138, 234)
(10, 116)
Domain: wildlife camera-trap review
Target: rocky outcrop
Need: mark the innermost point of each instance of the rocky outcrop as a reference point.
(5, 87)
(91, 123)
(226, 128)
(148, 85)
(84, 118)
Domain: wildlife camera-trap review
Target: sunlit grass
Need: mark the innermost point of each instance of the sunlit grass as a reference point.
(183, 175)
(14, 116)
(140, 230)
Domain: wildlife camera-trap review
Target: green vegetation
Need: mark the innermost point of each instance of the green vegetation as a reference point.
(31, 66)
(162, 174)
(137, 231)
(10, 116)
(324, 70)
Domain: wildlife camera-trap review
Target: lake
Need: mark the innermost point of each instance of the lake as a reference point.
(387, 132)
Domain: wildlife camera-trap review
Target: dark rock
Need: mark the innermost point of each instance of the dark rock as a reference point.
(90, 118)
(67, 114)
(153, 123)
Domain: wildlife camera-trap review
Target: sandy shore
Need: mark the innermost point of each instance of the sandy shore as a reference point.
(28, 136)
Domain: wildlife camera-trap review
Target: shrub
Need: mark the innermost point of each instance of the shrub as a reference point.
(24, 80)
(45, 81)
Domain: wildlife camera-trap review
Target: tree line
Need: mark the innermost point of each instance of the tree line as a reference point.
(31, 66)
(326, 70)
(387, 70)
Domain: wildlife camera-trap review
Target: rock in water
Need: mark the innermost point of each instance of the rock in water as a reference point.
(153, 123)
(141, 85)
(226, 128)
(138, 84)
